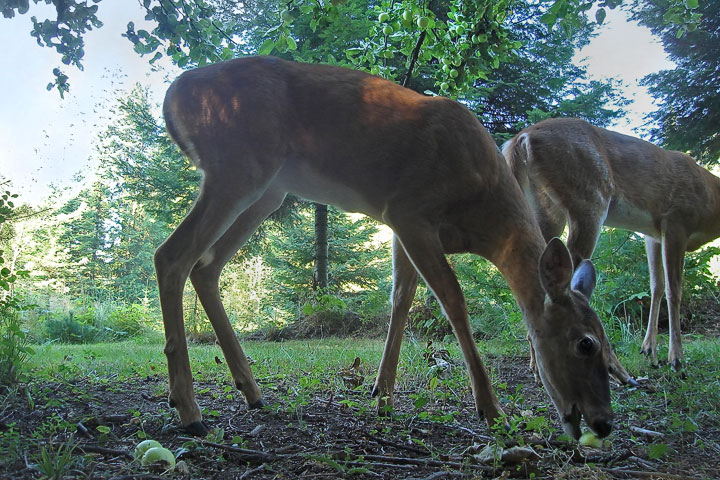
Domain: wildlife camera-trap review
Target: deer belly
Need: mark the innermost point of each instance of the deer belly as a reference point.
(626, 215)
(312, 185)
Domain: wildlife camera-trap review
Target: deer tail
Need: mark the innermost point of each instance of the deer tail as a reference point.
(517, 154)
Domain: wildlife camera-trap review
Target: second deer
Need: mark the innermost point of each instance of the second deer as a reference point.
(577, 174)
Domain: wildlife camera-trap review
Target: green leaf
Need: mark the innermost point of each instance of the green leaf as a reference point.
(657, 451)
(689, 426)
(420, 402)
(548, 19)
(600, 16)
(266, 47)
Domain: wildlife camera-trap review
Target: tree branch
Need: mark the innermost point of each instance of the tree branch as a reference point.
(413, 59)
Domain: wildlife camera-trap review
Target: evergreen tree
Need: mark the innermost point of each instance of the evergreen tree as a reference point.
(688, 113)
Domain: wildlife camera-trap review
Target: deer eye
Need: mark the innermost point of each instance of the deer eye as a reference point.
(586, 345)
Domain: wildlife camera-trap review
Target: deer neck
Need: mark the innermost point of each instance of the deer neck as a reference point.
(518, 263)
(715, 203)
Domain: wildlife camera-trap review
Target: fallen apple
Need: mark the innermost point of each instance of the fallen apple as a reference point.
(588, 439)
(144, 446)
(159, 458)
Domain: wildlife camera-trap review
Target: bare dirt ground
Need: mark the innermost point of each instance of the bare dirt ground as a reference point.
(331, 436)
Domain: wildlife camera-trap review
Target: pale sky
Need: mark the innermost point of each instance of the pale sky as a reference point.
(46, 140)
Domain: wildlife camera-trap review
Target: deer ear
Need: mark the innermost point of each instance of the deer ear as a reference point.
(584, 279)
(555, 269)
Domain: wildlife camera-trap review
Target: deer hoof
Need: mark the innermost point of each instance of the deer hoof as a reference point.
(260, 403)
(676, 365)
(631, 382)
(197, 429)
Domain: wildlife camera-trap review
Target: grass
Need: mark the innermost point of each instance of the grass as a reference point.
(302, 379)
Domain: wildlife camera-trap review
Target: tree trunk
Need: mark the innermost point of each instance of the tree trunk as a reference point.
(320, 270)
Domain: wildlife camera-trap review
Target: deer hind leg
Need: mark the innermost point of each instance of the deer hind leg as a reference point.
(653, 249)
(425, 251)
(673, 246)
(205, 277)
(533, 362)
(550, 216)
(405, 280)
(215, 209)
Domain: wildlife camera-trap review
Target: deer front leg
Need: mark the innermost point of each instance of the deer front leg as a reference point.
(403, 291)
(653, 249)
(674, 245)
(584, 229)
(425, 251)
(205, 277)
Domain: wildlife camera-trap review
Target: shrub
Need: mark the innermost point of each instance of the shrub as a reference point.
(14, 348)
(129, 321)
(68, 328)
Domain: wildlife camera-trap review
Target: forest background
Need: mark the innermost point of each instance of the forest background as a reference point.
(80, 270)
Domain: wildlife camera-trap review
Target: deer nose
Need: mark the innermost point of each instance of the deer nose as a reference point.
(602, 427)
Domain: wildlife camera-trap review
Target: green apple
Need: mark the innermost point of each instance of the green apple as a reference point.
(454, 73)
(383, 17)
(144, 446)
(588, 439)
(407, 15)
(387, 30)
(423, 22)
(160, 458)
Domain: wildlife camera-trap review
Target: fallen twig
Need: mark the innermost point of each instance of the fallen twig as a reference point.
(646, 432)
(440, 474)
(138, 476)
(252, 471)
(409, 448)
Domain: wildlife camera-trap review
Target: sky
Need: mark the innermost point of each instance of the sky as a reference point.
(48, 141)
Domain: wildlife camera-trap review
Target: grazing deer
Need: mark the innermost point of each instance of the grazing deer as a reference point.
(260, 128)
(585, 176)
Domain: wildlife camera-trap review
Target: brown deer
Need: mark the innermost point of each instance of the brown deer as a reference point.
(585, 176)
(260, 128)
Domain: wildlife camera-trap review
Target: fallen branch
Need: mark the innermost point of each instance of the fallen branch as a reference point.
(105, 451)
(247, 453)
(639, 473)
(425, 462)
